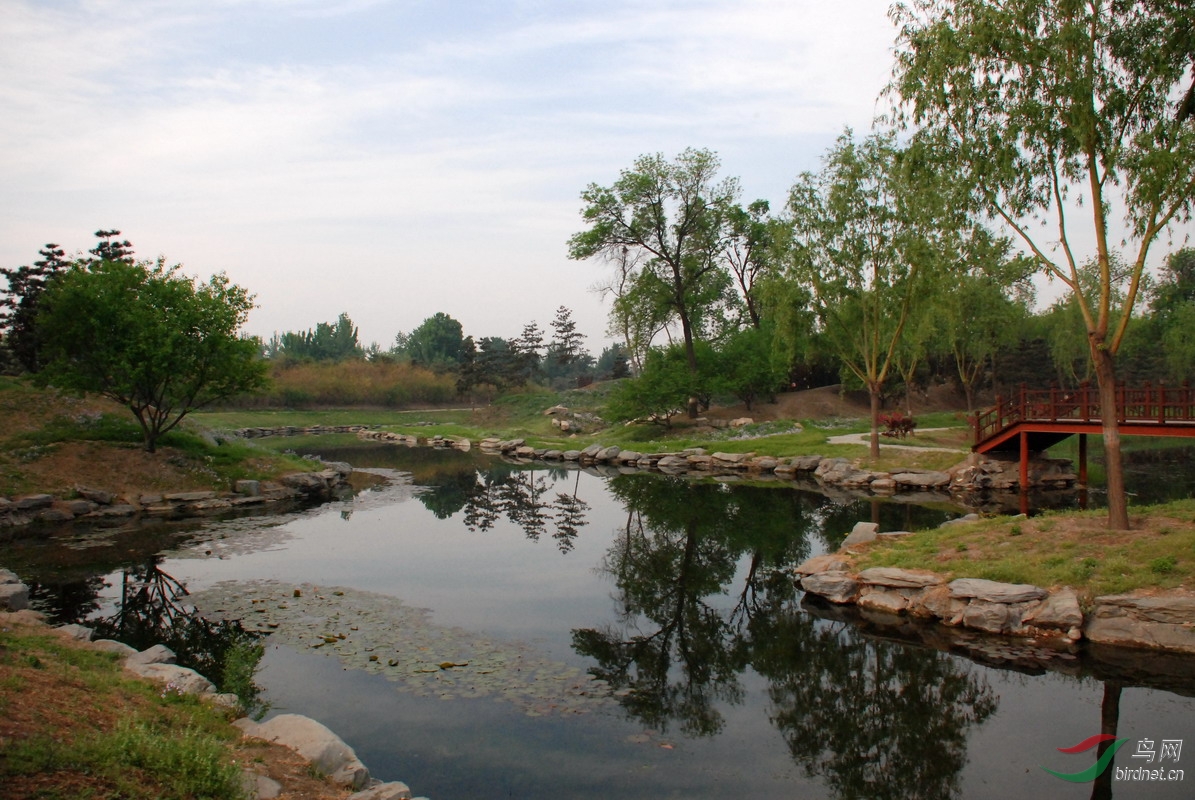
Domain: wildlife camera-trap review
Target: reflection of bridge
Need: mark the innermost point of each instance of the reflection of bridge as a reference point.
(1035, 419)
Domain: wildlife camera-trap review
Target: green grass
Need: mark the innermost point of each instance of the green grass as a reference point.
(130, 739)
(1061, 549)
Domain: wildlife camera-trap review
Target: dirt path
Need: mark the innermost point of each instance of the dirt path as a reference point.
(864, 439)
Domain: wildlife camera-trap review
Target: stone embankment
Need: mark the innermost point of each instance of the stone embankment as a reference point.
(978, 474)
(91, 504)
(320, 747)
(1162, 621)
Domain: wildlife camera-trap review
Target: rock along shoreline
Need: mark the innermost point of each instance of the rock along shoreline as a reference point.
(99, 505)
(1162, 621)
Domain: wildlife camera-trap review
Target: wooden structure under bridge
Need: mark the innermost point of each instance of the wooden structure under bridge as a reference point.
(1035, 419)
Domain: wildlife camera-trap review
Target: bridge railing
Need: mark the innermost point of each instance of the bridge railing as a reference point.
(1158, 404)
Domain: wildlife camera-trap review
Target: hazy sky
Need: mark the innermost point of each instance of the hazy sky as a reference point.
(394, 158)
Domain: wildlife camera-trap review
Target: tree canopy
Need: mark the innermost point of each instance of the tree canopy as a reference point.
(1067, 113)
(671, 215)
(148, 337)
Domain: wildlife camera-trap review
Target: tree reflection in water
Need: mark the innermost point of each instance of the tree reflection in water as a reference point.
(152, 611)
(520, 495)
(874, 719)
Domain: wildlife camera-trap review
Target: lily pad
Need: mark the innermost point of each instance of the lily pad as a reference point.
(400, 642)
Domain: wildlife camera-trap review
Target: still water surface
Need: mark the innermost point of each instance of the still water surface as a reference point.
(718, 681)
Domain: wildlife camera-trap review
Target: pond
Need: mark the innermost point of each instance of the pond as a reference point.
(489, 630)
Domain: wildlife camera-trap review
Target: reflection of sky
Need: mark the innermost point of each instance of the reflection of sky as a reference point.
(499, 582)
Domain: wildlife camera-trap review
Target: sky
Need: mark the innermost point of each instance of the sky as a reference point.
(391, 159)
(395, 158)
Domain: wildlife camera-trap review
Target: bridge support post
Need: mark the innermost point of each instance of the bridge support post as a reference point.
(1083, 459)
(1024, 461)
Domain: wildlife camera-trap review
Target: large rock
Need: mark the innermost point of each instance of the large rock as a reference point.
(14, 595)
(1060, 610)
(862, 533)
(921, 480)
(395, 790)
(180, 679)
(827, 562)
(887, 600)
(837, 587)
(990, 617)
(158, 654)
(900, 578)
(1162, 621)
(995, 591)
(323, 749)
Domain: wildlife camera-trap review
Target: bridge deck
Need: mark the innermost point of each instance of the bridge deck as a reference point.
(1036, 419)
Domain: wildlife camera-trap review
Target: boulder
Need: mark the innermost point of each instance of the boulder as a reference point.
(180, 679)
(886, 600)
(78, 632)
(14, 595)
(837, 587)
(1161, 621)
(323, 749)
(32, 502)
(608, 453)
(158, 654)
(806, 463)
(990, 617)
(823, 563)
(995, 591)
(862, 533)
(1059, 610)
(394, 790)
(97, 496)
(921, 480)
(900, 578)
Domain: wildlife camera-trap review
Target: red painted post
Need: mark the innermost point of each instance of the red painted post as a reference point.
(1161, 403)
(1083, 459)
(1084, 394)
(1024, 461)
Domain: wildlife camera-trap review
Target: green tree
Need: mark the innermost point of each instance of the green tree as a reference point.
(613, 362)
(437, 342)
(527, 348)
(326, 342)
(1062, 112)
(673, 215)
(660, 391)
(747, 250)
(149, 338)
(1173, 306)
(868, 231)
(18, 308)
(749, 367)
(565, 348)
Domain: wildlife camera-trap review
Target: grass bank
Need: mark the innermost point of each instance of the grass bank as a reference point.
(51, 442)
(1057, 549)
(73, 725)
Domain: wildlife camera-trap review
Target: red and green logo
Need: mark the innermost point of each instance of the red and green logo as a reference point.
(1096, 769)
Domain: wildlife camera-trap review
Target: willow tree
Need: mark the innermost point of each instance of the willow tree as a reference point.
(869, 232)
(1064, 115)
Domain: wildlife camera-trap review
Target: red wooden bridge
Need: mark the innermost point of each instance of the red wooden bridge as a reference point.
(1035, 419)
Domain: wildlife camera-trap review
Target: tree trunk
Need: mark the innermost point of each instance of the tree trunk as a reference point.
(874, 391)
(1105, 373)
